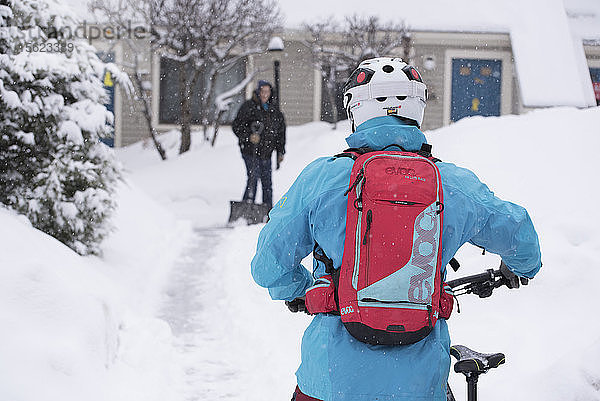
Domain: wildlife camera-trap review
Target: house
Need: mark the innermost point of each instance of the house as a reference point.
(497, 62)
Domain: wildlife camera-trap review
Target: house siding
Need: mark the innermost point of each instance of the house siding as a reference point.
(134, 126)
(434, 79)
(297, 80)
(130, 123)
(592, 54)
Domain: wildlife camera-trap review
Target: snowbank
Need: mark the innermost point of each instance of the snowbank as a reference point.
(79, 328)
(60, 319)
(544, 161)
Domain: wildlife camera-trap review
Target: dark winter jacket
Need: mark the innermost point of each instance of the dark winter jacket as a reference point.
(270, 127)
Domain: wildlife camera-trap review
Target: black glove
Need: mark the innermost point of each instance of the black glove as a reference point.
(296, 305)
(511, 279)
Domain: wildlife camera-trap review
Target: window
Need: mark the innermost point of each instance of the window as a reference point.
(169, 103)
(336, 98)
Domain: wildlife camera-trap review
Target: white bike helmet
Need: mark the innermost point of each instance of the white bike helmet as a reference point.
(385, 86)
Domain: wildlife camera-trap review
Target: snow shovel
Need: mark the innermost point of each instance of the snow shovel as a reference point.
(253, 213)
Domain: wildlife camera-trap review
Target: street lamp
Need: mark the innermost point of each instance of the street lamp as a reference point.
(275, 46)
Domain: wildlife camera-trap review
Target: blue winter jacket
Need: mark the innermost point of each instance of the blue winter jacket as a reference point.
(334, 365)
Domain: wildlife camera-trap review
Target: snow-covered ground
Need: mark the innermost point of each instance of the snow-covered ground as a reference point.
(168, 314)
(85, 328)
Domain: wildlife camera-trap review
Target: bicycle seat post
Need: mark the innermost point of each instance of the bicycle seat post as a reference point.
(472, 379)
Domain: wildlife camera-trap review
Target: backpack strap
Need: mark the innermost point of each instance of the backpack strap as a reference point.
(425, 151)
(353, 153)
(319, 255)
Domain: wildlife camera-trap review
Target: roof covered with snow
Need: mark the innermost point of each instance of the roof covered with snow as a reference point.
(546, 35)
(549, 59)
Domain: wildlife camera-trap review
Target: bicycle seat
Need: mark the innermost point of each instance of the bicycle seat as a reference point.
(469, 361)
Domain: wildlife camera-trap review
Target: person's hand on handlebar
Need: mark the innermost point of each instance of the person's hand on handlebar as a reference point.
(510, 278)
(297, 305)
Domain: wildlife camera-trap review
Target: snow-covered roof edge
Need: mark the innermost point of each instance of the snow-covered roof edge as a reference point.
(550, 62)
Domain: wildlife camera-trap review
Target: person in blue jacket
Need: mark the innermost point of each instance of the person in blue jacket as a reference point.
(385, 100)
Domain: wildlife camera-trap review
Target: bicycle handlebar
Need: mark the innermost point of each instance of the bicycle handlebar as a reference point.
(482, 284)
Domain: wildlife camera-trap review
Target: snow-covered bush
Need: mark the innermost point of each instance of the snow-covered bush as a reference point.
(53, 168)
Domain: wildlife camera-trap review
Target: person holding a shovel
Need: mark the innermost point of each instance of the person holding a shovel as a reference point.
(260, 128)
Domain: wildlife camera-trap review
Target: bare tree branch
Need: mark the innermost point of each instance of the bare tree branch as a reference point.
(335, 48)
(224, 100)
(209, 37)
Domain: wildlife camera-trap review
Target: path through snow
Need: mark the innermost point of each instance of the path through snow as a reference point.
(221, 320)
(193, 289)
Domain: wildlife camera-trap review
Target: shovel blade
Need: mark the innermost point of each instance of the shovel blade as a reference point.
(253, 213)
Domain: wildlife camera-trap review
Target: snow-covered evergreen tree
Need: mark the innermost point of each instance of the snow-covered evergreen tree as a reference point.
(53, 168)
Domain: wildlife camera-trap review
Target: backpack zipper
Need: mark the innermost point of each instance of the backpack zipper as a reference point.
(369, 222)
(401, 203)
(358, 178)
(358, 184)
(374, 303)
(392, 302)
(365, 240)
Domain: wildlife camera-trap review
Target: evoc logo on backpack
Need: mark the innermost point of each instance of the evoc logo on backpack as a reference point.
(424, 250)
(347, 309)
(400, 171)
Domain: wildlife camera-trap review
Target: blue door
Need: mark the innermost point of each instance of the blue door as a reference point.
(109, 86)
(595, 73)
(476, 86)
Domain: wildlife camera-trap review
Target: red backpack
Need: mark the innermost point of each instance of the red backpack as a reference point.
(389, 289)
